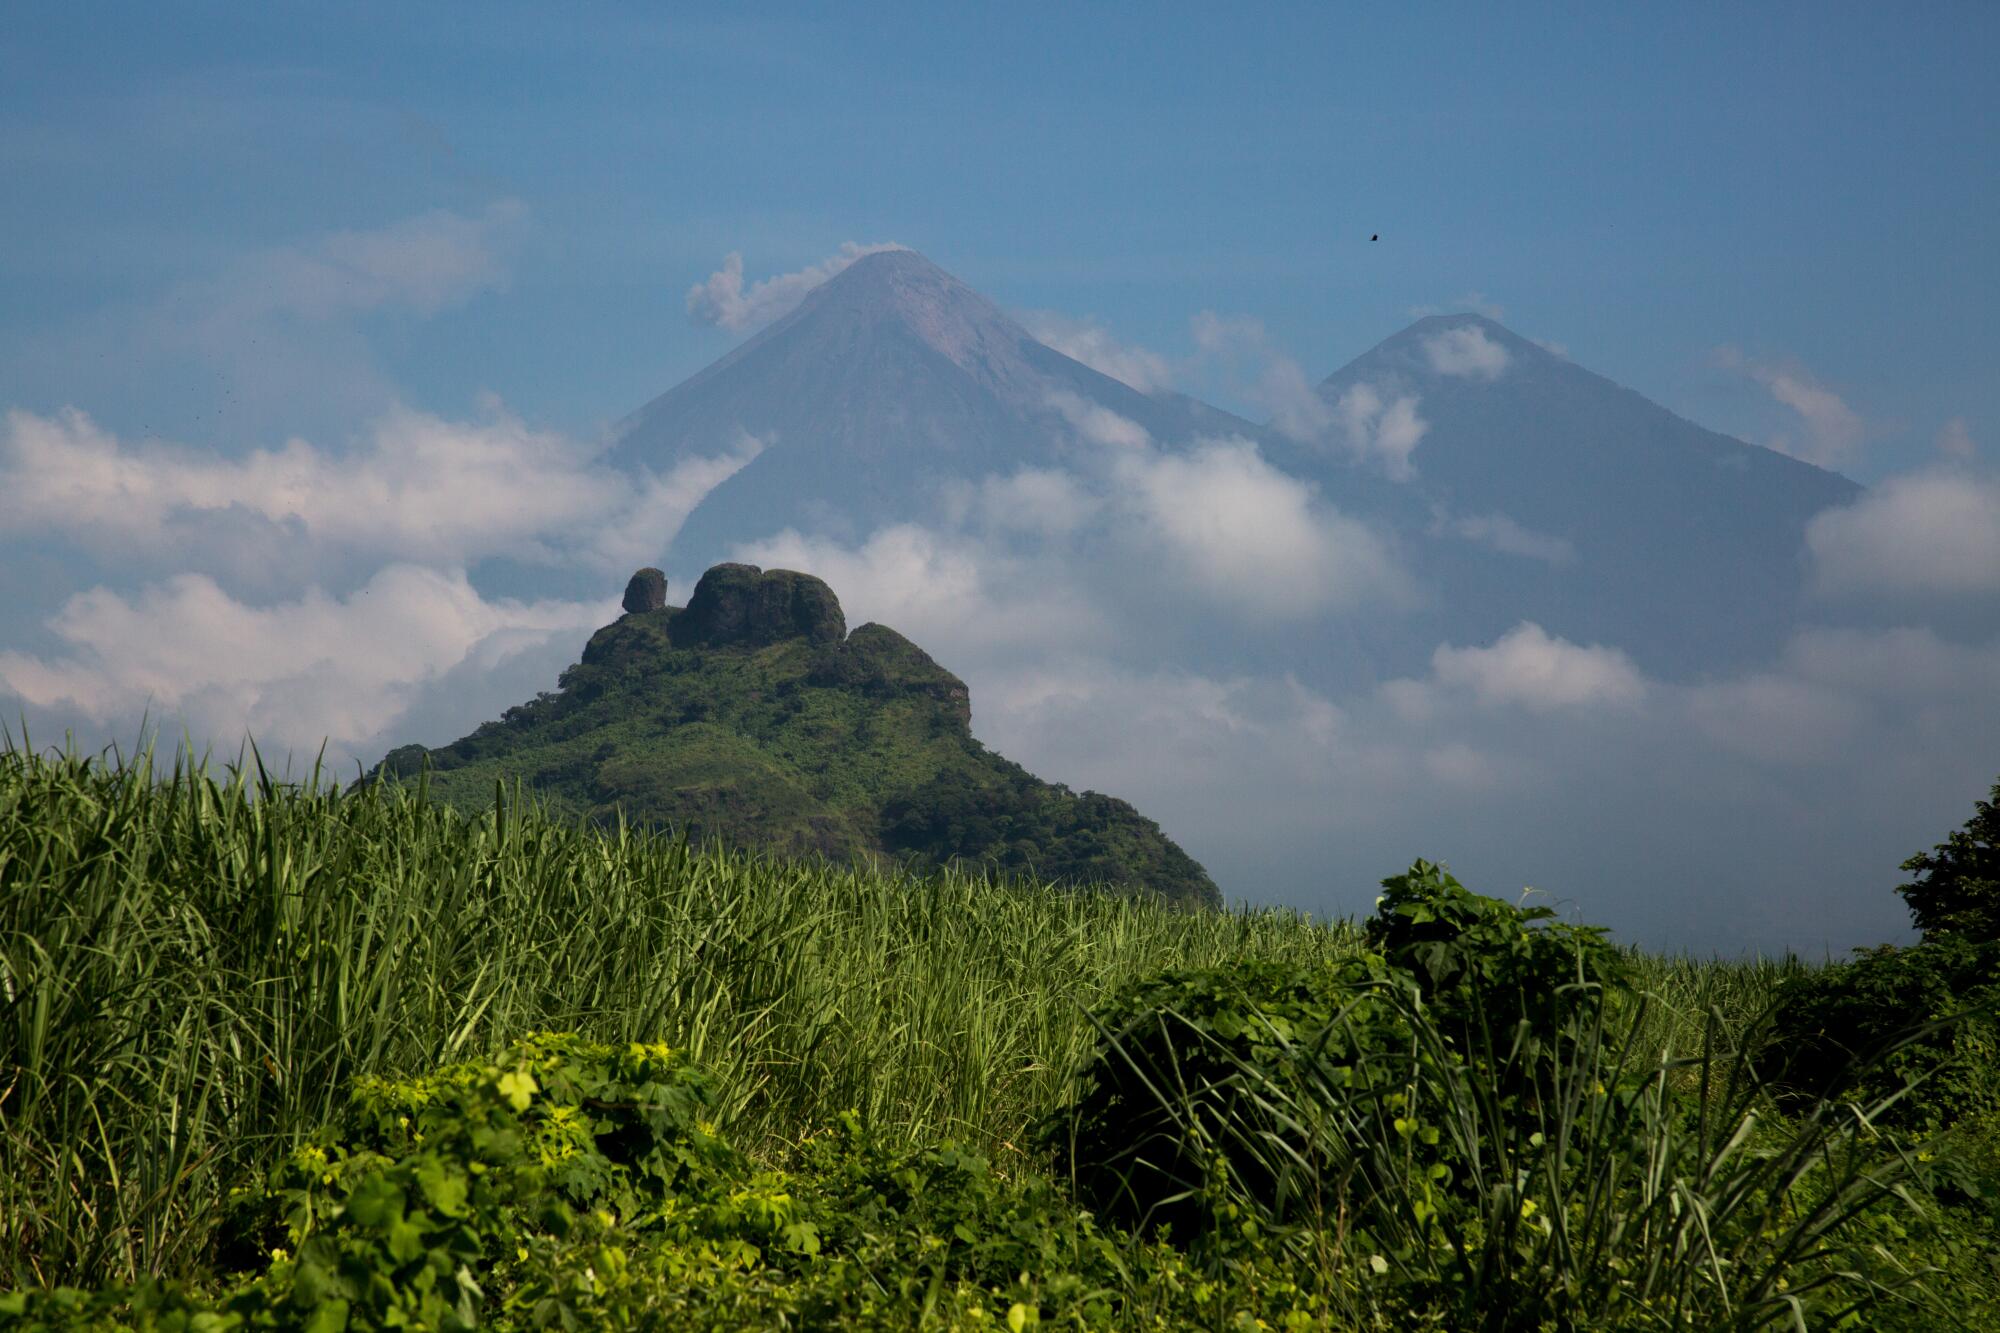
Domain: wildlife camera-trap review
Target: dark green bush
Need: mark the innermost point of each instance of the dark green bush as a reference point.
(1174, 1082)
(1178, 1102)
(1926, 1018)
(1923, 1017)
(1956, 891)
(1461, 1132)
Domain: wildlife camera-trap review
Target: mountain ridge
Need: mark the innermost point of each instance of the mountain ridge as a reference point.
(1511, 484)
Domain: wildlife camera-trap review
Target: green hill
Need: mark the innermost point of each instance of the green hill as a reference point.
(751, 715)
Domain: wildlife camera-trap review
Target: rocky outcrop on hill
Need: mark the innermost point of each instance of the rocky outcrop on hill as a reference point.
(646, 592)
(744, 606)
(752, 716)
(882, 664)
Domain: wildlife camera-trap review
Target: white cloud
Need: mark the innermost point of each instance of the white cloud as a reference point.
(296, 673)
(1277, 384)
(424, 263)
(1500, 533)
(1217, 519)
(1376, 425)
(1381, 432)
(1928, 532)
(1253, 536)
(1775, 718)
(1528, 667)
(1099, 424)
(1091, 343)
(636, 526)
(1834, 432)
(1456, 764)
(1142, 732)
(1466, 351)
(1295, 405)
(1903, 663)
(722, 300)
(416, 488)
(1954, 441)
(1047, 501)
(1375, 428)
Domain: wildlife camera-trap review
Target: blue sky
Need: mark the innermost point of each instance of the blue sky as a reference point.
(314, 322)
(1811, 184)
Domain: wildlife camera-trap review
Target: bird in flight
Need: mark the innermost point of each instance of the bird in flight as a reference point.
(1376, 237)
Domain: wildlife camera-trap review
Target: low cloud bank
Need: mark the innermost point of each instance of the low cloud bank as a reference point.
(292, 674)
(303, 595)
(414, 488)
(1929, 533)
(1765, 813)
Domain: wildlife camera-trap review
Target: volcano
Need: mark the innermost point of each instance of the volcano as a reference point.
(1552, 494)
(889, 381)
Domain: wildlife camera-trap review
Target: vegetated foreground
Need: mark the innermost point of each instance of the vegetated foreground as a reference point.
(288, 1057)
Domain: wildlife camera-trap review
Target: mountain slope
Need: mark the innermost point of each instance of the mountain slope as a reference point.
(753, 716)
(888, 381)
(1555, 495)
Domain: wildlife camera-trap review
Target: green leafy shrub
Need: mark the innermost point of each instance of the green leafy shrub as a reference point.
(429, 1202)
(1510, 985)
(1179, 1096)
(575, 1185)
(943, 1237)
(479, 1195)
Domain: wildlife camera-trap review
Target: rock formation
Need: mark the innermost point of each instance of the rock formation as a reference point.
(646, 592)
(745, 606)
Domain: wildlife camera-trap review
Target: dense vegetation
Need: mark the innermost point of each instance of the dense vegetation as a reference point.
(753, 717)
(1928, 1013)
(279, 1056)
